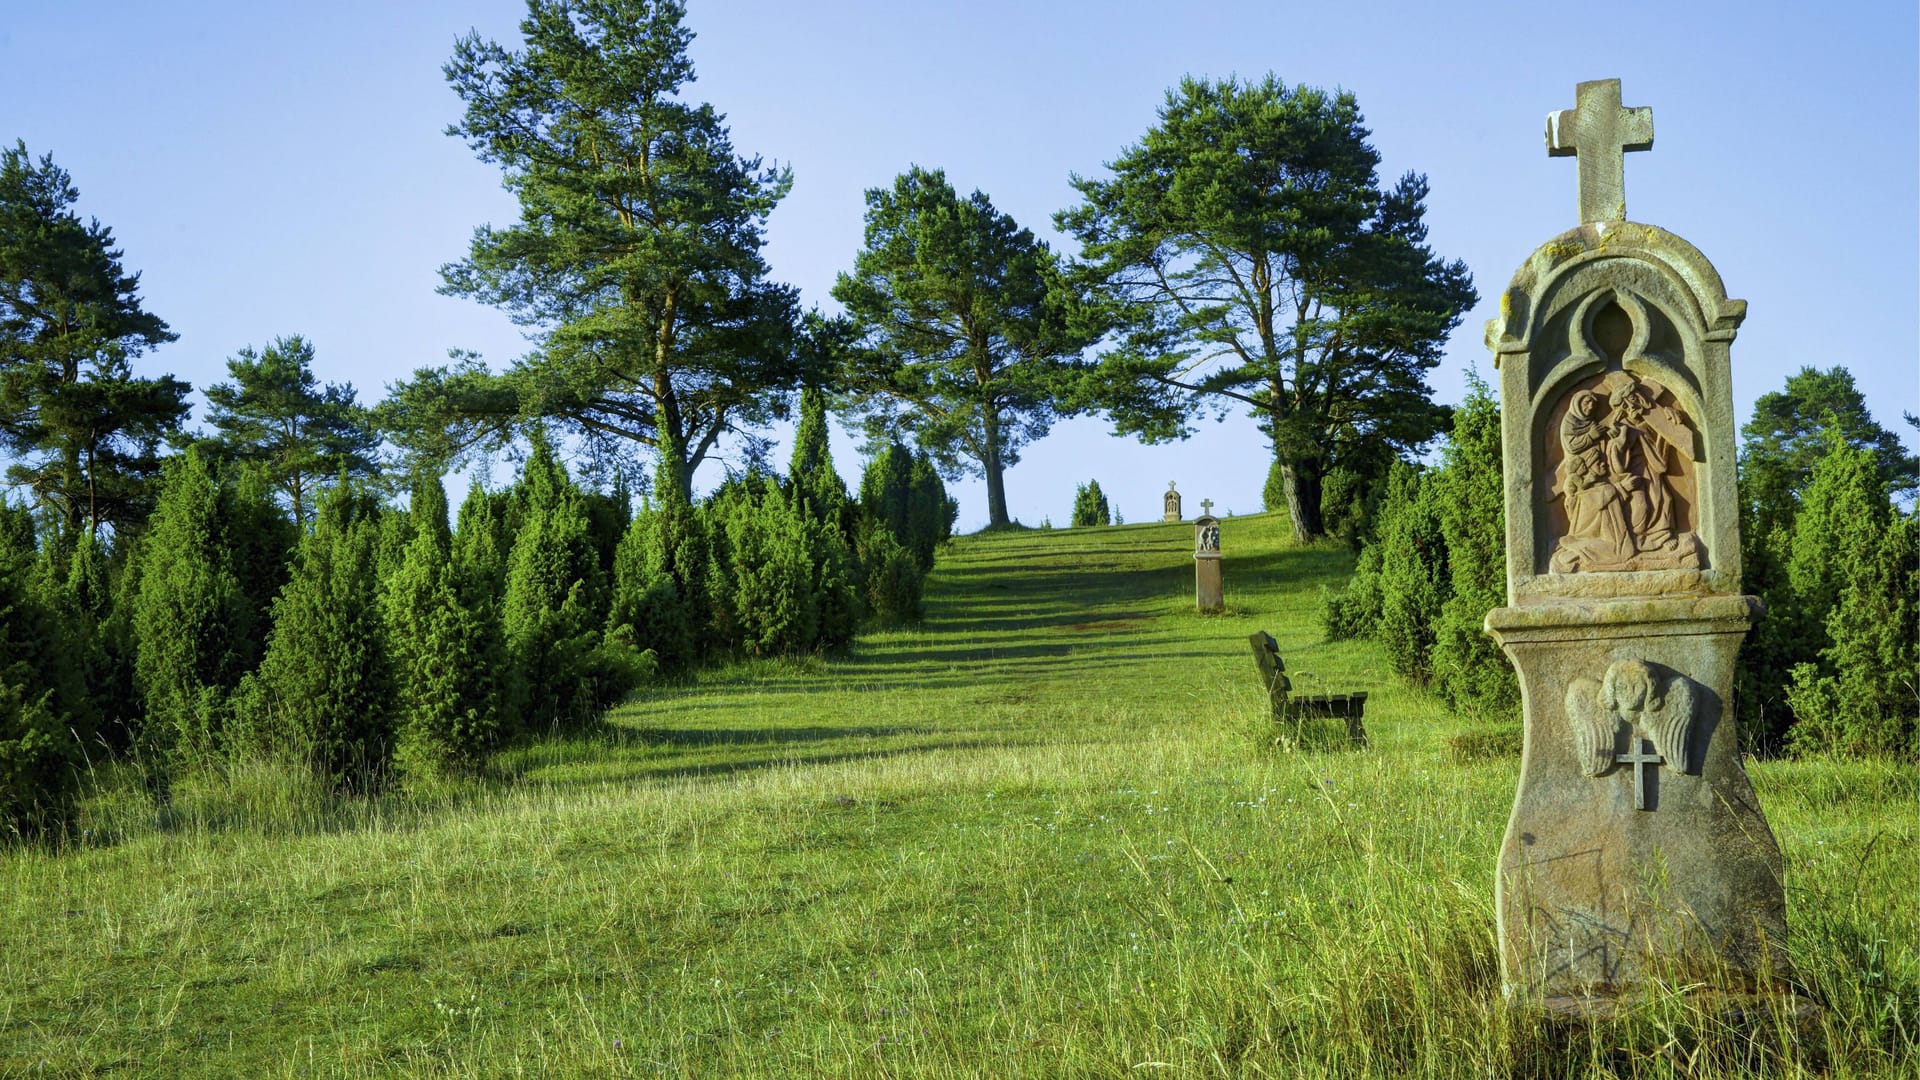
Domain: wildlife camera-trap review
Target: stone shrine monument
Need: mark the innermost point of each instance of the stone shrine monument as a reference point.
(1636, 851)
(1172, 499)
(1208, 595)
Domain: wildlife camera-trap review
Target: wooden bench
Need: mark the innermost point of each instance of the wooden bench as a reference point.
(1291, 708)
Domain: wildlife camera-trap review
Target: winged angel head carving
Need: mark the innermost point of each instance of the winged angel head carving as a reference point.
(1630, 694)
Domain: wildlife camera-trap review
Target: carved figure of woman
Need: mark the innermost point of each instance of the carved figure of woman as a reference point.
(1598, 536)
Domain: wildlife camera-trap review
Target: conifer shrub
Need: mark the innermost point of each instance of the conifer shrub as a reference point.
(1414, 580)
(325, 693)
(1353, 610)
(444, 660)
(190, 616)
(660, 584)
(1854, 581)
(894, 581)
(552, 594)
(41, 696)
(771, 563)
(931, 513)
(1469, 670)
(1090, 506)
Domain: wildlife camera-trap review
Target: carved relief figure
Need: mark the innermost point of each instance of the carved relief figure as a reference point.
(1209, 539)
(1630, 694)
(1615, 481)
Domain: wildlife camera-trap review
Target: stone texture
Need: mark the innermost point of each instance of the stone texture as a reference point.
(1636, 852)
(1599, 131)
(1208, 593)
(1172, 502)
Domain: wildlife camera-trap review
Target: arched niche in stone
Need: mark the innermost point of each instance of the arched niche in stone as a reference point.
(1613, 339)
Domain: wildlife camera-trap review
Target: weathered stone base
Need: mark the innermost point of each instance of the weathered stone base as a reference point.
(1613, 876)
(1208, 594)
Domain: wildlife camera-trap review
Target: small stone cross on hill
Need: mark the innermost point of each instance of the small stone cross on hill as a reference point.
(1206, 507)
(1599, 131)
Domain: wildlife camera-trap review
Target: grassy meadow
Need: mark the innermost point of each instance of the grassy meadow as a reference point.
(1043, 834)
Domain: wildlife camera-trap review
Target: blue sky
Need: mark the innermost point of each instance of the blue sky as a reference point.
(274, 169)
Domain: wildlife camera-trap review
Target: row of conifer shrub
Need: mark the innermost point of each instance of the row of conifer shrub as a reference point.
(1832, 663)
(385, 643)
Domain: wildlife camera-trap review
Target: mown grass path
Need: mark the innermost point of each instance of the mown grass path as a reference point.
(1037, 836)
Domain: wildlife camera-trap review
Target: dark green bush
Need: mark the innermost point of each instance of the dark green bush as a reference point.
(1090, 506)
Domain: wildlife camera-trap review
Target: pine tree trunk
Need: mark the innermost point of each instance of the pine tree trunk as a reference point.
(1302, 482)
(996, 479)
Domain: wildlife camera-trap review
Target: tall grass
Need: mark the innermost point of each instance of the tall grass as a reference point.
(1041, 835)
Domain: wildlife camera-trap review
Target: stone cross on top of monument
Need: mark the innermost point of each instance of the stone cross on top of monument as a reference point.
(1206, 507)
(1600, 131)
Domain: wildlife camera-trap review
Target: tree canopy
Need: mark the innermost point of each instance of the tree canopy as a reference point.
(276, 415)
(966, 331)
(83, 430)
(1789, 433)
(1251, 258)
(636, 260)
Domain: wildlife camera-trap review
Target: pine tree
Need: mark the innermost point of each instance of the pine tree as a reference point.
(83, 432)
(635, 264)
(301, 435)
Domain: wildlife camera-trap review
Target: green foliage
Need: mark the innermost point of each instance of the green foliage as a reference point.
(1249, 257)
(1854, 583)
(771, 559)
(444, 658)
(636, 261)
(326, 691)
(820, 498)
(262, 539)
(1423, 586)
(660, 584)
(964, 329)
(300, 434)
(83, 432)
(895, 582)
(553, 589)
(1353, 610)
(192, 626)
(43, 707)
(1789, 434)
(1415, 580)
(1469, 670)
(1090, 506)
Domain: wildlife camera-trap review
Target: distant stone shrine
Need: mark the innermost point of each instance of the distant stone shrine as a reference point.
(1298, 713)
(1637, 853)
(1208, 594)
(1172, 499)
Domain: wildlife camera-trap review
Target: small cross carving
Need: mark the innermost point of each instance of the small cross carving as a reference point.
(1206, 507)
(1639, 759)
(1599, 131)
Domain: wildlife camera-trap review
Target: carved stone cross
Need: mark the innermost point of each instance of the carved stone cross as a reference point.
(1600, 132)
(1206, 507)
(1640, 757)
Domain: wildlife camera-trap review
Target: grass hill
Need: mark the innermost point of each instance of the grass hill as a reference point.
(1042, 834)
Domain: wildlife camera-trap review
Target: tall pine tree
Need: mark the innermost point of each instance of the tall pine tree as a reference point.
(83, 430)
